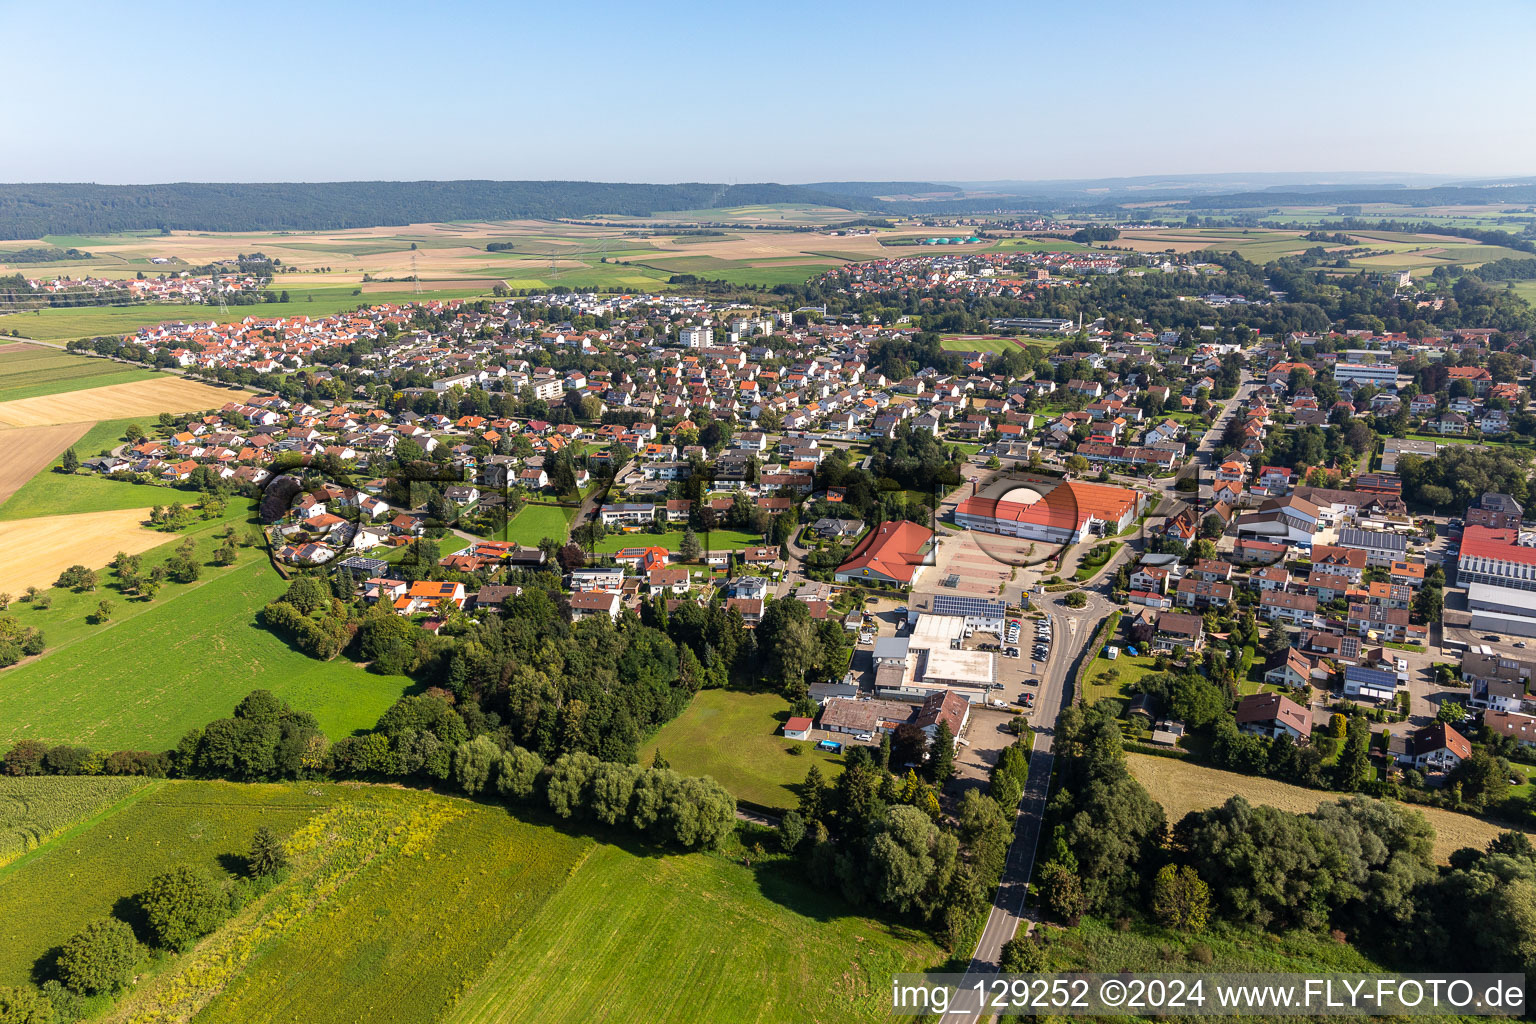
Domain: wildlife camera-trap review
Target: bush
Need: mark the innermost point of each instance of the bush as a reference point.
(99, 957)
(24, 1006)
(181, 906)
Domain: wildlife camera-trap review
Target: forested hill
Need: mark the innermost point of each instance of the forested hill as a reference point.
(31, 211)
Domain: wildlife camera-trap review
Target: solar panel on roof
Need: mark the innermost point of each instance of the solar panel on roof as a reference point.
(955, 604)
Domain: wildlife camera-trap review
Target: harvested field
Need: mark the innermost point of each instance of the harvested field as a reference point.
(1182, 787)
(116, 401)
(29, 450)
(37, 550)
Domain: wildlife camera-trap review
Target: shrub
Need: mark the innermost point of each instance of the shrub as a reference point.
(24, 1006)
(99, 957)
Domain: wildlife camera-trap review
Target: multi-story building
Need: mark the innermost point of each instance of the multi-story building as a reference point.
(1496, 511)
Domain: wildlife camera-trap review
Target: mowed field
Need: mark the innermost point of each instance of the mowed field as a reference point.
(756, 764)
(635, 937)
(141, 398)
(535, 522)
(30, 450)
(1182, 787)
(410, 907)
(37, 550)
(27, 371)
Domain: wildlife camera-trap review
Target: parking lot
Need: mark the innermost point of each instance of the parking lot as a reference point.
(962, 567)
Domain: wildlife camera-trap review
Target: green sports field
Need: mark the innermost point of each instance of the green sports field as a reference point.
(35, 371)
(735, 737)
(406, 906)
(140, 682)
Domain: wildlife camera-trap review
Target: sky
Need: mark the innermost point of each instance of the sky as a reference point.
(787, 91)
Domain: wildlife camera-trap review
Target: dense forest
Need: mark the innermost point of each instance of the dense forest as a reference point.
(32, 211)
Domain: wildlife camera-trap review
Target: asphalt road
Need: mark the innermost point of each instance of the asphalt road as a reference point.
(1071, 629)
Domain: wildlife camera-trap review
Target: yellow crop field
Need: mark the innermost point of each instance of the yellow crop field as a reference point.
(37, 550)
(117, 401)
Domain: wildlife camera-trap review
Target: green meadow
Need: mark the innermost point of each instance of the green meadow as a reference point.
(535, 522)
(140, 681)
(757, 765)
(408, 906)
(672, 540)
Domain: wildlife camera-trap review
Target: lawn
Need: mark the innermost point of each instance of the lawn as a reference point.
(29, 373)
(693, 938)
(1092, 563)
(535, 522)
(977, 343)
(1182, 787)
(734, 737)
(141, 682)
(1130, 670)
(719, 540)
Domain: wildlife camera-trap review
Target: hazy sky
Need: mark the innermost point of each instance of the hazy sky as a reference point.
(778, 91)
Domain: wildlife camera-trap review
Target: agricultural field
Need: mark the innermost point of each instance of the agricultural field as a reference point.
(34, 810)
(1182, 787)
(42, 492)
(99, 689)
(636, 937)
(64, 620)
(144, 398)
(535, 522)
(756, 765)
(28, 371)
(29, 450)
(37, 550)
(51, 893)
(317, 296)
(410, 931)
(415, 907)
(719, 540)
